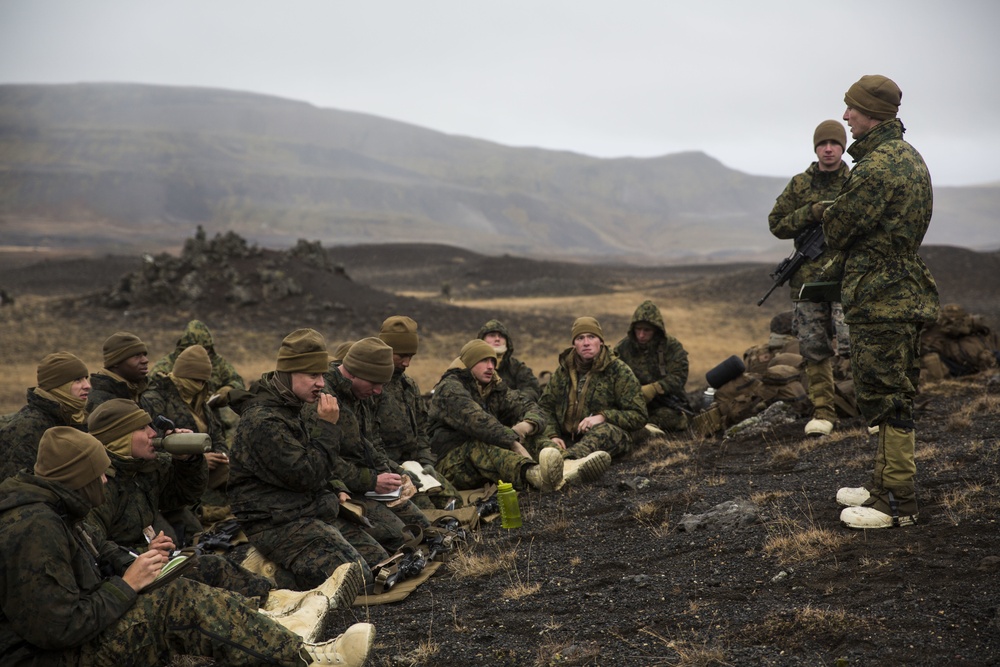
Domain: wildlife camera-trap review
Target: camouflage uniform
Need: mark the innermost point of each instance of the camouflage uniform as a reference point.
(65, 612)
(610, 388)
(879, 221)
(136, 491)
(512, 370)
(19, 437)
(402, 427)
(662, 363)
(279, 488)
(816, 324)
(105, 385)
(196, 333)
(470, 430)
(362, 460)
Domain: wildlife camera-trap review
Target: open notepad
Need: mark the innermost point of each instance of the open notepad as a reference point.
(384, 497)
(174, 568)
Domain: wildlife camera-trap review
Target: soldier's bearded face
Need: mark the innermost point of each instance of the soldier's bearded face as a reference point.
(142, 443)
(80, 388)
(307, 386)
(643, 333)
(587, 345)
(483, 370)
(859, 122)
(401, 361)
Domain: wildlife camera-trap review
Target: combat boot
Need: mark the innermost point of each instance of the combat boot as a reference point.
(586, 470)
(340, 589)
(306, 620)
(257, 563)
(821, 393)
(348, 650)
(867, 517)
(852, 496)
(547, 476)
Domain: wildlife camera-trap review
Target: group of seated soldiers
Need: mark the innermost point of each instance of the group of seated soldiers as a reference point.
(91, 510)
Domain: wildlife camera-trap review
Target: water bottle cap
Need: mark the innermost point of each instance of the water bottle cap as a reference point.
(504, 486)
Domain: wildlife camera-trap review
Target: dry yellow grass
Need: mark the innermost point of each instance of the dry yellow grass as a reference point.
(31, 328)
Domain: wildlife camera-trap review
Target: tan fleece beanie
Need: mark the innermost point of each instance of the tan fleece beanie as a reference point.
(830, 130)
(584, 325)
(475, 351)
(370, 359)
(875, 95)
(58, 368)
(303, 351)
(400, 333)
(193, 363)
(120, 346)
(71, 457)
(116, 418)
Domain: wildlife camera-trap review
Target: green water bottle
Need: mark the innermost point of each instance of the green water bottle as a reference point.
(510, 511)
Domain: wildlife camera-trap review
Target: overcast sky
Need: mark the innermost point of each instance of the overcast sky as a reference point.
(745, 82)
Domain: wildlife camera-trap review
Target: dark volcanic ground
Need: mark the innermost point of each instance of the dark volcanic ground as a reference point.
(619, 582)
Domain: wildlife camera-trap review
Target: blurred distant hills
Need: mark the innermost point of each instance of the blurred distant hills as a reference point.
(113, 167)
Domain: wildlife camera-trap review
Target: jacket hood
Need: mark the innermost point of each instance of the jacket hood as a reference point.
(647, 312)
(196, 333)
(24, 489)
(497, 325)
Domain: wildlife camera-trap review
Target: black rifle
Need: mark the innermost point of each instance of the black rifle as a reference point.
(808, 245)
(407, 565)
(678, 404)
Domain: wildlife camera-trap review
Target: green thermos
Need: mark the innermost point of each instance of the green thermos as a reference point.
(510, 511)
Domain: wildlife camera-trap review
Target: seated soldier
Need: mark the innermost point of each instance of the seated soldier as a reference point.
(182, 397)
(593, 402)
(124, 375)
(510, 369)
(362, 465)
(280, 470)
(478, 426)
(58, 400)
(140, 479)
(402, 418)
(660, 363)
(224, 377)
(58, 608)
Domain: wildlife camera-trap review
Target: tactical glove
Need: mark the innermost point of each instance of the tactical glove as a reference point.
(817, 209)
(523, 429)
(649, 392)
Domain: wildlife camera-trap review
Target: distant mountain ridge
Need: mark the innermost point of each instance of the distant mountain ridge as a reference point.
(122, 165)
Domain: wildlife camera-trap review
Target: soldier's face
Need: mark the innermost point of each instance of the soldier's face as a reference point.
(483, 370)
(307, 386)
(363, 389)
(80, 388)
(828, 155)
(134, 368)
(643, 333)
(142, 443)
(859, 122)
(496, 340)
(401, 361)
(587, 345)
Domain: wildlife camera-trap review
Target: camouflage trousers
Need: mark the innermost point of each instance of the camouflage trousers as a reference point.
(474, 463)
(220, 572)
(666, 418)
(188, 618)
(388, 522)
(821, 330)
(603, 437)
(311, 549)
(885, 366)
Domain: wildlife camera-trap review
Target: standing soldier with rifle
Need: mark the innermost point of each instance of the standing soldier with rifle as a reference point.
(796, 216)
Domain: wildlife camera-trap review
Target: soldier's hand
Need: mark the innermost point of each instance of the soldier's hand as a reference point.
(590, 422)
(649, 392)
(387, 482)
(559, 442)
(144, 569)
(817, 210)
(523, 429)
(518, 448)
(328, 409)
(163, 544)
(215, 459)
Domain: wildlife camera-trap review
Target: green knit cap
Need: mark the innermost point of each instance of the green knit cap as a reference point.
(400, 333)
(58, 368)
(475, 351)
(303, 351)
(370, 359)
(115, 418)
(830, 130)
(193, 364)
(71, 457)
(874, 95)
(584, 325)
(120, 346)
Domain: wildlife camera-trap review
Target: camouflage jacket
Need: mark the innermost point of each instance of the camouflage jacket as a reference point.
(278, 471)
(163, 398)
(460, 412)
(136, 490)
(402, 421)
(792, 215)
(196, 333)
(662, 362)
(879, 221)
(104, 386)
(19, 437)
(362, 458)
(52, 593)
(512, 370)
(610, 389)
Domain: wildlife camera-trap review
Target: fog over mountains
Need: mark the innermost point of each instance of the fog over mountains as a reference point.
(116, 166)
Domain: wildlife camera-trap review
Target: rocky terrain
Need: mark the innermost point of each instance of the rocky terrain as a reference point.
(635, 569)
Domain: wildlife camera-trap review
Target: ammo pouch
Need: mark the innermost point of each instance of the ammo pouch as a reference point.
(739, 398)
(707, 423)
